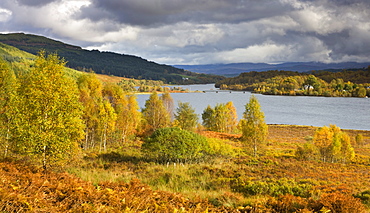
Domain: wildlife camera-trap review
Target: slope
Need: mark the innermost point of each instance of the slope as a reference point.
(105, 62)
(231, 70)
(21, 61)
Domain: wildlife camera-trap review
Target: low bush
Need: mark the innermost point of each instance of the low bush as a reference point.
(175, 145)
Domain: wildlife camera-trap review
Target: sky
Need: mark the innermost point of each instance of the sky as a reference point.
(202, 31)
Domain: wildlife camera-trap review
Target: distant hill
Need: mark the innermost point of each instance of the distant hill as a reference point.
(235, 69)
(105, 62)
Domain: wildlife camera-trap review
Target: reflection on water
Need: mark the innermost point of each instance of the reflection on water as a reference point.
(347, 113)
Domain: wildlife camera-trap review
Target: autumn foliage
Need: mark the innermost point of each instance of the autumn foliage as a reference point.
(24, 188)
(181, 168)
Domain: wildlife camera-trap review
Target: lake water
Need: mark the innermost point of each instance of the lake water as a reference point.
(347, 113)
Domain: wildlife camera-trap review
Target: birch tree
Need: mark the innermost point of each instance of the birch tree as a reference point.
(51, 124)
(334, 144)
(8, 106)
(168, 104)
(90, 90)
(155, 114)
(126, 108)
(253, 126)
(221, 118)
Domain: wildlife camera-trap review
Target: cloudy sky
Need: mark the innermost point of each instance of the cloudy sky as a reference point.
(202, 31)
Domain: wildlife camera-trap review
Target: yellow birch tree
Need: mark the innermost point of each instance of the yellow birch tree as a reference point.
(51, 124)
(253, 126)
(8, 106)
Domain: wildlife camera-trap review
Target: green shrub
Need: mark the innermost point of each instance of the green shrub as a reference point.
(219, 147)
(175, 145)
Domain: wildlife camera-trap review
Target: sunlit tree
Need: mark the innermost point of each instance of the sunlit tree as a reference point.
(253, 126)
(221, 118)
(155, 115)
(185, 117)
(334, 144)
(8, 105)
(168, 104)
(126, 108)
(107, 122)
(90, 88)
(232, 118)
(51, 124)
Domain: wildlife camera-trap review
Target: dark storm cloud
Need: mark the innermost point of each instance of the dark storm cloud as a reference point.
(202, 31)
(159, 12)
(339, 2)
(35, 3)
(347, 43)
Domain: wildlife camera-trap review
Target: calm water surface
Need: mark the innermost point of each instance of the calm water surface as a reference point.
(347, 113)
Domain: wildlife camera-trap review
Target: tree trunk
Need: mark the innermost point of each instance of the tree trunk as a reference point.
(105, 139)
(7, 144)
(255, 147)
(86, 138)
(44, 158)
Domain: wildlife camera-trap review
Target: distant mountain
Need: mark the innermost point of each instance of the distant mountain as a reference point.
(237, 68)
(105, 62)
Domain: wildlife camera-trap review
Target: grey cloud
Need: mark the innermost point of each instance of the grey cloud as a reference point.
(35, 3)
(202, 31)
(347, 43)
(160, 12)
(340, 2)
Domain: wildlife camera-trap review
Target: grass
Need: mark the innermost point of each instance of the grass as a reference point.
(273, 182)
(222, 180)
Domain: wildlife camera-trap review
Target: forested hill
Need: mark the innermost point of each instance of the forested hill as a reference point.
(323, 83)
(232, 70)
(106, 62)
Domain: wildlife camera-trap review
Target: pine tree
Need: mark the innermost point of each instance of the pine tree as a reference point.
(51, 124)
(253, 126)
(208, 118)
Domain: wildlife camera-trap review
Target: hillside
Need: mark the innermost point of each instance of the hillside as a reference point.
(235, 69)
(105, 62)
(21, 61)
